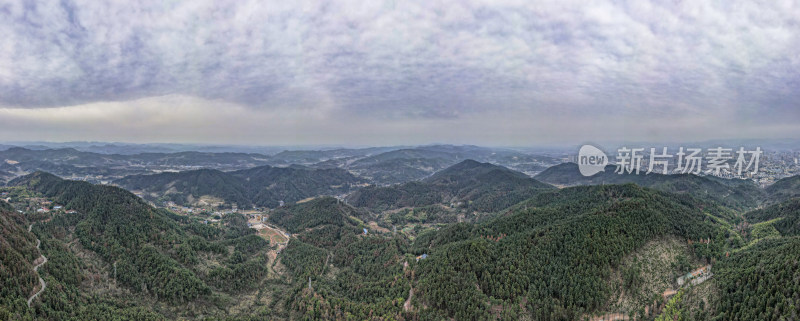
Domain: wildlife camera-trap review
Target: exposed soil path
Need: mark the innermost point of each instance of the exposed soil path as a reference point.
(36, 270)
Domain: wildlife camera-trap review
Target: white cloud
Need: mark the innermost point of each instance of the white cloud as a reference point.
(405, 61)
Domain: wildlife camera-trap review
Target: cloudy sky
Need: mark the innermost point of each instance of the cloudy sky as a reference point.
(398, 72)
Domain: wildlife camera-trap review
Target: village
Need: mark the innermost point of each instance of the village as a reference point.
(257, 219)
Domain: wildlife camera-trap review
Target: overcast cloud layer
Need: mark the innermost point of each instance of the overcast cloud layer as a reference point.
(396, 72)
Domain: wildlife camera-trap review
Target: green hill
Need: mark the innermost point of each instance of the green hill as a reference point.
(184, 187)
(259, 186)
(557, 254)
(478, 186)
(268, 185)
(17, 254)
(784, 189)
(784, 217)
(352, 275)
(761, 282)
(5, 176)
(402, 165)
(734, 193)
(410, 164)
(138, 256)
(314, 213)
(121, 228)
(550, 257)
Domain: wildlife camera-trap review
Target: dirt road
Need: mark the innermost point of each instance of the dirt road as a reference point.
(36, 270)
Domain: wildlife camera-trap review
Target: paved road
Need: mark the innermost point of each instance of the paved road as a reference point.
(36, 269)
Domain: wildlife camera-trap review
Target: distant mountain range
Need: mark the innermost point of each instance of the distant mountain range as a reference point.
(378, 165)
(479, 186)
(410, 164)
(736, 193)
(259, 186)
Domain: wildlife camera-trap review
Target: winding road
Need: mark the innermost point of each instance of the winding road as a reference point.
(36, 270)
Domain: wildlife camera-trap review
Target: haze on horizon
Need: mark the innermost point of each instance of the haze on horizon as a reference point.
(399, 72)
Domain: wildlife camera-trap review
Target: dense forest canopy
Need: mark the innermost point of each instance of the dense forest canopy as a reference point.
(263, 186)
(542, 253)
(478, 186)
(150, 253)
(734, 193)
(784, 189)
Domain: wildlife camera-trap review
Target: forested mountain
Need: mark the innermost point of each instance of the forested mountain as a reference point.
(552, 256)
(5, 177)
(783, 218)
(121, 228)
(761, 282)
(378, 165)
(320, 211)
(17, 254)
(411, 164)
(556, 254)
(341, 273)
(308, 157)
(784, 189)
(187, 187)
(259, 186)
(402, 165)
(478, 186)
(70, 156)
(136, 256)
(735, 193)
(269, 185)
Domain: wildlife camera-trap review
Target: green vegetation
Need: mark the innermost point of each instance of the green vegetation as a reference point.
(353, 276)
(733, 193)
(529, 251)
(672, 312)
(555, 255)
(260, 186)
(17, 252)
(784, 189)
(469, 185)
(155, 256)
(783, 217)
(317, 212)
(760, 283)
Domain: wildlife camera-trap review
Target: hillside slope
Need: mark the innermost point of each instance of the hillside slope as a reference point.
(479, 186)
(17, 254)
(177, 266)
(258, 186)
(552, 255)
(784, 189)
(738, 194)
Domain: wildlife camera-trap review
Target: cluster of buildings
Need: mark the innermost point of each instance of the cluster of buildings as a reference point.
(696, 277)
(777, 165)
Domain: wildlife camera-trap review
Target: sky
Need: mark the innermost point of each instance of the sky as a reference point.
(398, 72)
